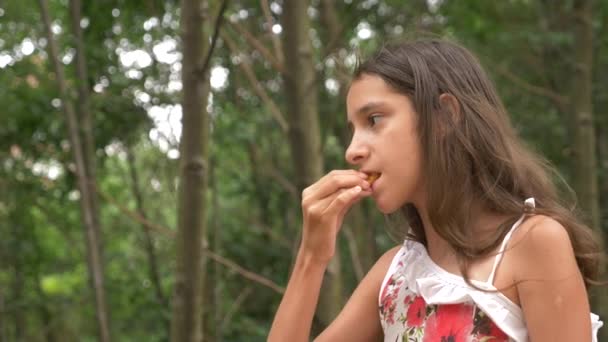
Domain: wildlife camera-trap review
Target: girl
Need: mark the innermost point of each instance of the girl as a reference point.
(490, 254)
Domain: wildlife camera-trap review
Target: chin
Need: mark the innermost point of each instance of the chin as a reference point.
(387, 207)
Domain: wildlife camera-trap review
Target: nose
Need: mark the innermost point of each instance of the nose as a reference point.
(356, 152)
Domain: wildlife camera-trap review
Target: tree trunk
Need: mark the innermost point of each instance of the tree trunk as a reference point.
(585, 170)
(585, 158)
(88, 215)
(85, 116)
(186, 325)
(602, 147)
(363, 235)
(304, 131)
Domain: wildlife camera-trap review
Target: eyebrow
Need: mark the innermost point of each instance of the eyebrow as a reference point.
(368, 107)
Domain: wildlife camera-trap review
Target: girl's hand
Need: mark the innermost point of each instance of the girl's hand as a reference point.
(324, 205)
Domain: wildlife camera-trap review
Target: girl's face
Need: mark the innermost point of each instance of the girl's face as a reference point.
(385, 141)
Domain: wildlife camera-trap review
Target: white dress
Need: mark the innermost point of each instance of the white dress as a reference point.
(420, 301)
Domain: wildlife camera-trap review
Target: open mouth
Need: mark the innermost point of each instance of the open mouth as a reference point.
(372, 177)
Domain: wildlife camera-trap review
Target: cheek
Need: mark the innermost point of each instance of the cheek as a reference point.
(406, 157)
(406, 175)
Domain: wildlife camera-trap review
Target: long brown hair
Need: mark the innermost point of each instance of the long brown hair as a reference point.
(471, 153)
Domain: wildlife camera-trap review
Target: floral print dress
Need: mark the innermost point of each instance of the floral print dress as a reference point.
(418, 321)
(421, 302)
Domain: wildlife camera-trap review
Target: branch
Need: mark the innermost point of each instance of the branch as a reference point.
(234, 307)
(216, 257)
(243, 272)
(216, 31)
(335, 30)
(136, 216)
(256, 44)
(259, 90)
(276, 42)
(559, 100)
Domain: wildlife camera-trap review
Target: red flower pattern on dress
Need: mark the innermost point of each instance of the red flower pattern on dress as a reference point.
(435, 323)
(495, 334)
(389, 299)
(486, 330)
(450, 323)
(416, 312)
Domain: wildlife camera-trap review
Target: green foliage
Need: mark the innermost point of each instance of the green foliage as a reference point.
(254, 220)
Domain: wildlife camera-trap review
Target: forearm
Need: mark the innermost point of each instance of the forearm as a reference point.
(293, 319)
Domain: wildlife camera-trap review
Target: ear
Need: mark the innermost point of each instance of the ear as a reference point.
(449, 108)
(449, 103)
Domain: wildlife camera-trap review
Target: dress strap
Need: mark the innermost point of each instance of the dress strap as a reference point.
(528, 203)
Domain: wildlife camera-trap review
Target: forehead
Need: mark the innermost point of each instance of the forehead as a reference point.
(371, 89)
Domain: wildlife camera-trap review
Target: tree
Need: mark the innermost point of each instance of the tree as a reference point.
(585, 157)
(186, 324)
(584, 144)
(304, 131)
(359, 234)
(84, 180)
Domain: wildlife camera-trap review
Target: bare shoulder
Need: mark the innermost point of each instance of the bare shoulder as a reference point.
(551, 290)
(383, 263)
(539, 230)
(388, 256)
(542, 248)
(378, 271)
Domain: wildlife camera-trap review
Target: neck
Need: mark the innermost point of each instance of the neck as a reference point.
(483, 222)
(438, 248)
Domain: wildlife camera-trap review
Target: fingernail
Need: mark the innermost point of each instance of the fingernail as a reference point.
(357, 189)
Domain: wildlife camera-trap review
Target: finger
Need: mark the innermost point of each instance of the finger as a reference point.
(323, 203)
(362, 195)
(328, 177)
(320, 206)
(345, 200)
(334, 181)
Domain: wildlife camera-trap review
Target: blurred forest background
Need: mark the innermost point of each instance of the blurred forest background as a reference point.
(137, 204)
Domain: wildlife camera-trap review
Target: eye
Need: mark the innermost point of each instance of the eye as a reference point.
(374, 119)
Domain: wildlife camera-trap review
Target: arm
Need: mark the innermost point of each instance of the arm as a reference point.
(293, 319)
(359, 320)
(324, 205)
(551, 288)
